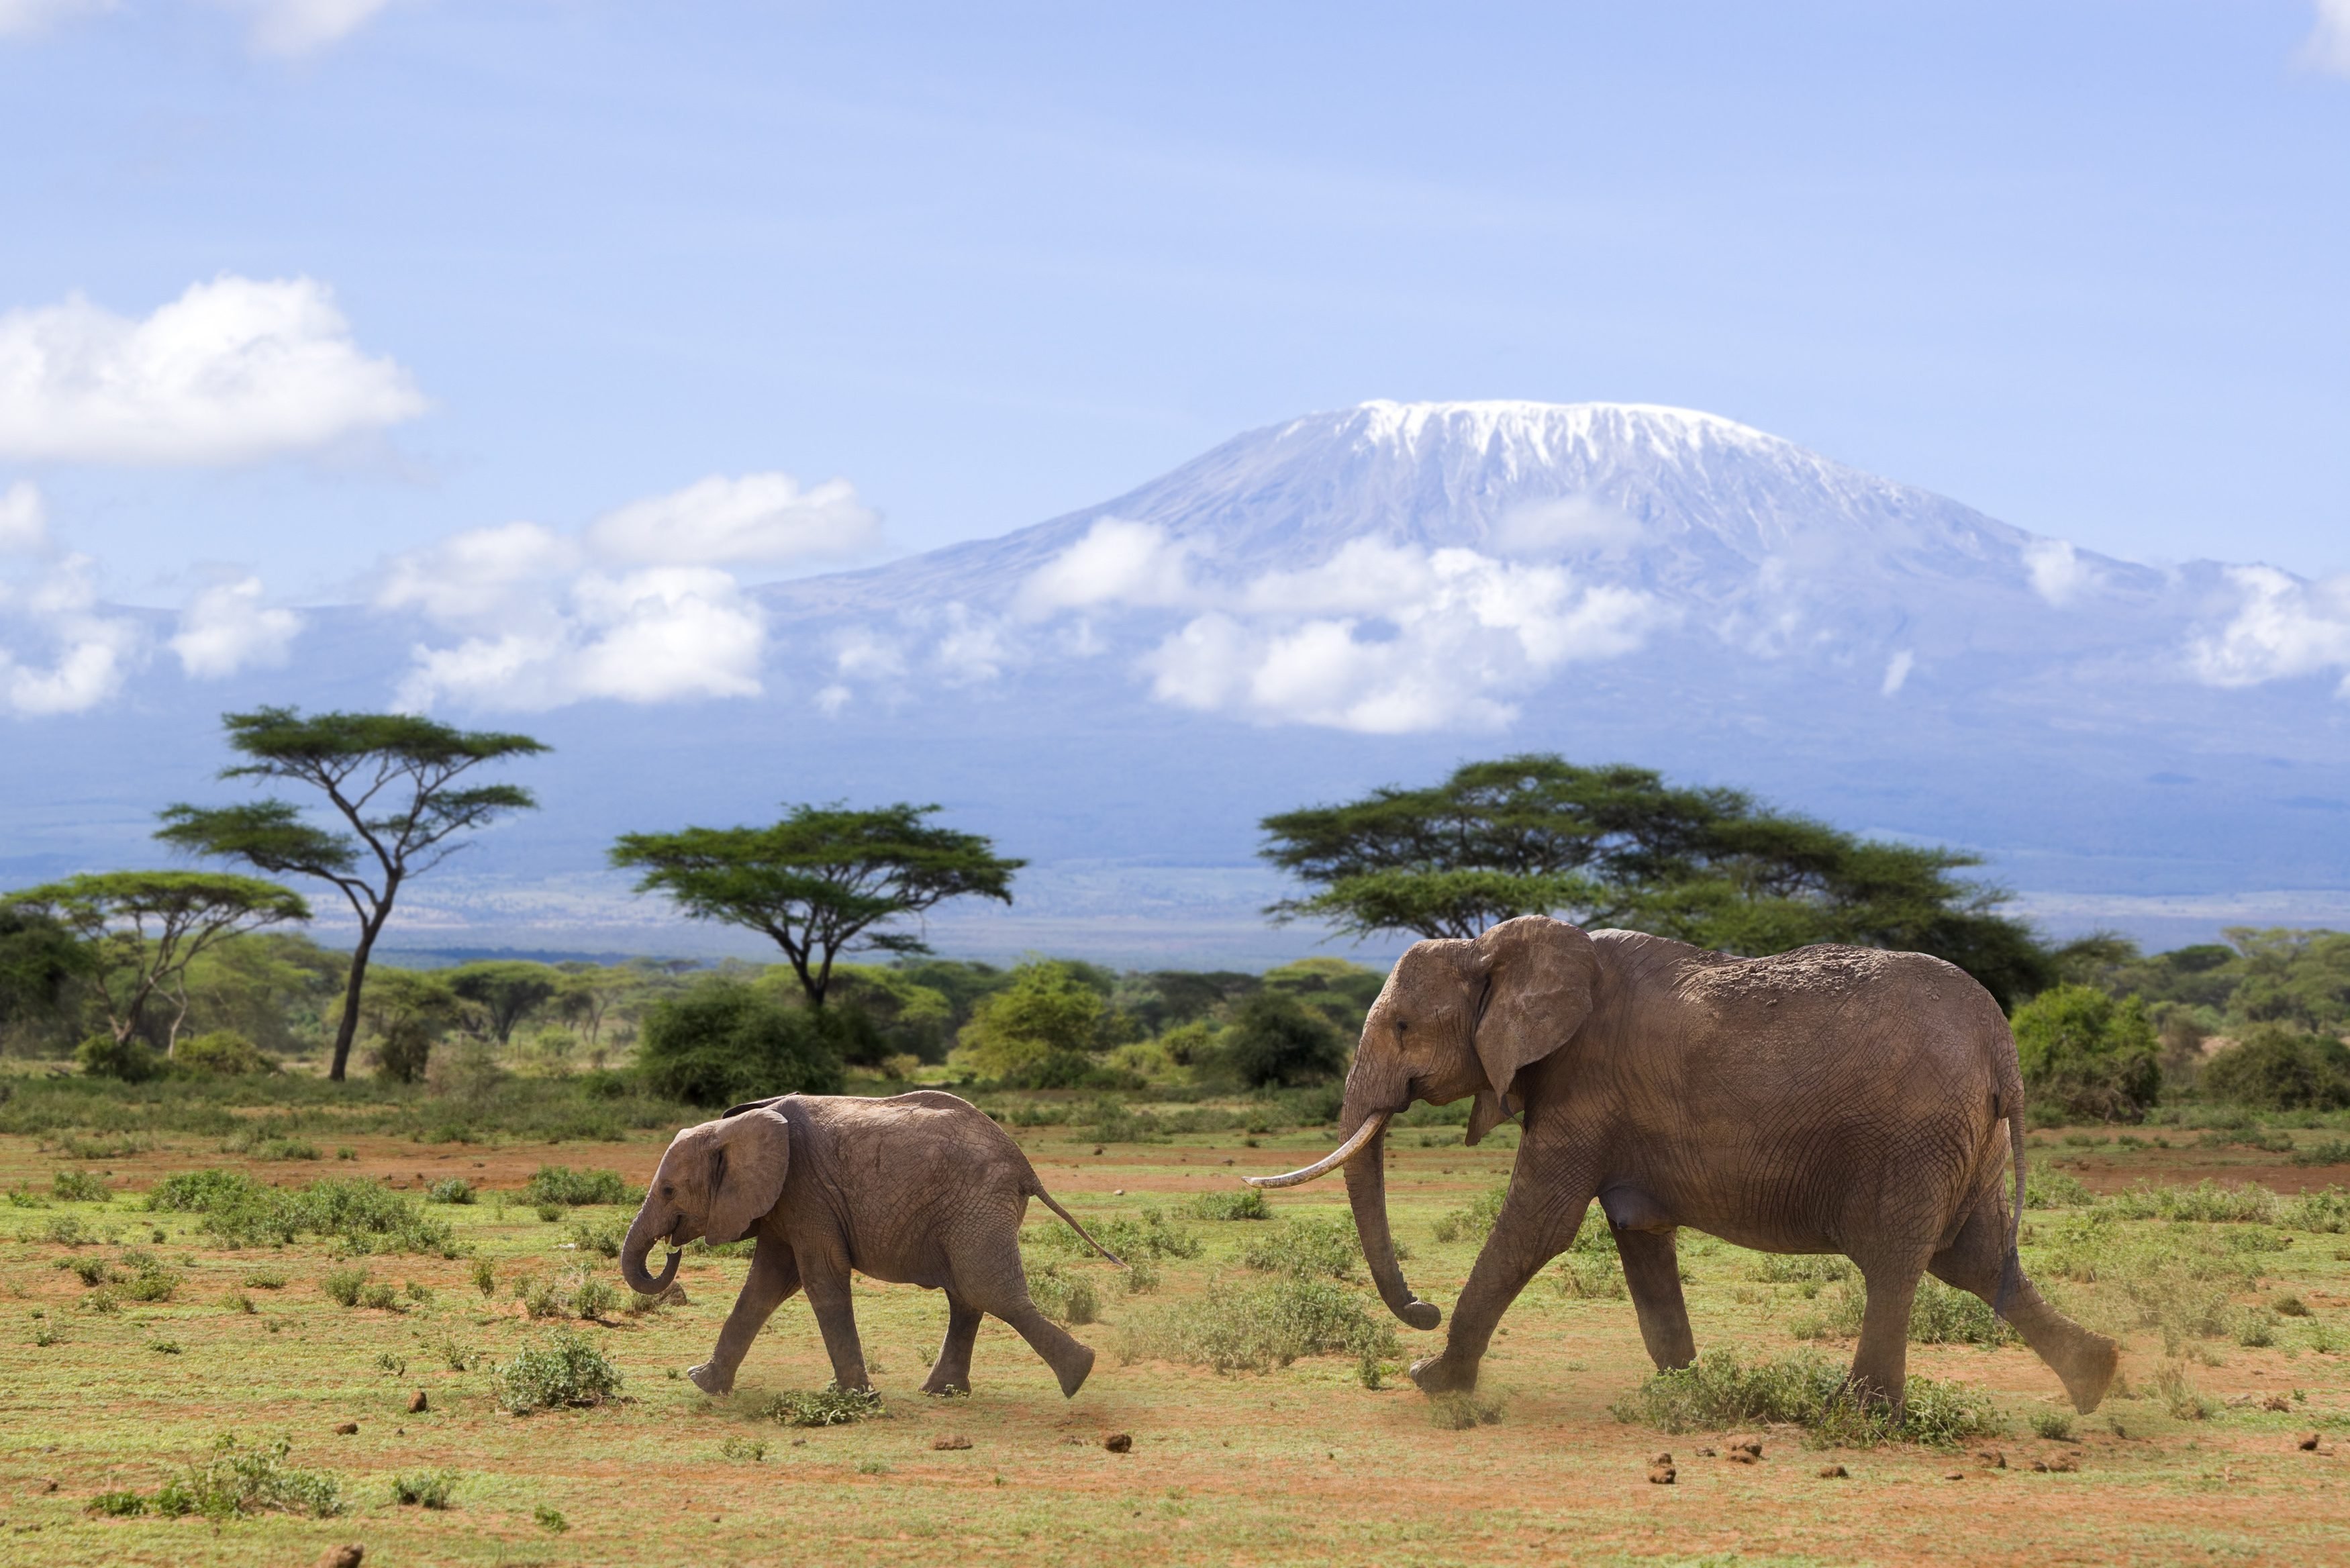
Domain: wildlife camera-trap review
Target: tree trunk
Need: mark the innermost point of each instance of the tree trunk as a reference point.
(348, 1031)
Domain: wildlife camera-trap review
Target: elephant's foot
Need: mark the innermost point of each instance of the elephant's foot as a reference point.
(2089, 1370)
(710, 1380)
(1443, 1374)
(1074, 1368)
(945, 1384)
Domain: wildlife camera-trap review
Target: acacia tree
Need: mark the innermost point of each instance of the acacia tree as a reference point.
(1618, 846)
(142, 929)
(398, 781)
(507, 990)
(822, 881)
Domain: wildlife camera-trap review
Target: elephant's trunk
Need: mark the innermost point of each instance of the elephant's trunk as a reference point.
(641, 1239)
(1366, 1189)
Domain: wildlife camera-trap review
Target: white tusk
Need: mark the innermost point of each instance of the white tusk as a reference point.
(1371, 1128)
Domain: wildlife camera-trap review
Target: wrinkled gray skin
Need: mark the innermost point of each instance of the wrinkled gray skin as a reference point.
(1832, 1100)
(919, 1190)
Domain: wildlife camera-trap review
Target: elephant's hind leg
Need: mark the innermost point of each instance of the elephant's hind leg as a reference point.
(951, 1373)
(1881, 1366)
(1652, 1272)
(2086, 1361)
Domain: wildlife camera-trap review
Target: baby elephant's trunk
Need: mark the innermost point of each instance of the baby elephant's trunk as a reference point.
(641, 1239)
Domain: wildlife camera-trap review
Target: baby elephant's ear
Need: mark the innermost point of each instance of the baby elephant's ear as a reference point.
(749, 1156)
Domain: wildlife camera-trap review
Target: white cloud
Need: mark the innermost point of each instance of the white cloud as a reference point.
(300, 27)
(1116, 562)
(24, 521)
(89, 655)
(1570, 525)
(20, 18)
(2328, 48)
(760, 519)
(1391, 640)
(225, 628)
(654, 636)
(233, 370)
(478, 575)
(1896, 671)
(2283, 627)
(2058, 573)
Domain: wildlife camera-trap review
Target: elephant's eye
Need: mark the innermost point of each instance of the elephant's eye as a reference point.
(667, 1189)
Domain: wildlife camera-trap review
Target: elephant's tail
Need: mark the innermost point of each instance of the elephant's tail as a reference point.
(1036, 1189)
(2011, 1272)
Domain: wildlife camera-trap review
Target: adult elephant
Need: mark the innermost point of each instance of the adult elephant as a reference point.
(1832, 1100)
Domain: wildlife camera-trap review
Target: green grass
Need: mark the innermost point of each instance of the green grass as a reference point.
(830, 1406)
(1258, 1328)
(1807, 1390)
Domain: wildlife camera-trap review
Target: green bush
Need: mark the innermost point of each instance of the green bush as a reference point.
(579, 1189)
(2327, 1210)
(366, 1216)
(1258, 1328)
(1307, 1247)
(2206, 1202)
(343, 1285)
(1275, 1041)
(1146, 1236)
(1801, 1268)
(1066, 1298)
(563, 1370)
(2087, 1056)
(81, 1187)
(830, 1406)
(1248, 1203)
(2054, 1190)
(1474, 1222)
(223, 1053)
(423, 1489)
(724, 1042)
(1808, 1390)
(453, 1189)
(2277, 1069)
(599, 1238)
(124, 1061)
(237, 1481)
(118, 1504)
(1459, 1412)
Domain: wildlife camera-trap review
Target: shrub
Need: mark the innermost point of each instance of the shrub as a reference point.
(81, 1187)
(149, 1280)
(2087, 1055)
(563, 1370)
(1046, 1017)
(118, 1504)
(1257, 1327)
(2278, 1069)
(597, 1238)
(725, 1042)
(380, 1297)
(485, 1276)
(579, 1189)
(1277, 1042)
(2207, 1201)
(366, 1216)
(64, 1230)
(124, 1061)
(1474, 1222)
(2054, 1425)
(2180, 1396)
(240, 1480)
(592, 1297)
(2328, 1210)
(223, 1053)
(1248, 1203)
(455, 1190)
(1802, 1268)
(830, 1406)
(425, 1489)
(1068, 1298)
(1803, 1389)
(1458, 1412)
(1943, 1314)
(2055, 1190)
(550, 1520)
(343, 1285)
(265, 1279)
(1307, 1247)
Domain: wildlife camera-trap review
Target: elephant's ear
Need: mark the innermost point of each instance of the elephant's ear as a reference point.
(749, 1156)
(1538, 975)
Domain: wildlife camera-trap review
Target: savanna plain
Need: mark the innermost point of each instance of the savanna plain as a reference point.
(352, 1317)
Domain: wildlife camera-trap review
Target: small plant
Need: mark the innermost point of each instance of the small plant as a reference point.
(1247, 1204)
(421, 1294)
(2180, 1396)
(550, 1520)
(2290, 1306)
(81, 1187)
(118, 1504)
(164, 1347)
(592, 1297)
(1802, 1268)
(265, 1279)
(237, 1301)
(830, 1406)
(343, 1285)
(423, 1489)
(1066, 1298)
(91, 1272)
(560, 1184)
(45, 1336)
(240, 1480)
(541, 1298)
(103, 1300)
(1257, 1327)
(550, 1212)
(601, 1238)
(66, 1230)
(1458, 1412)
(563, 1370)
(1307, 1247)
(2056, 1425)
(745, 1450)
(485, 1277)
(456, 1357)
(455, 1190)
(395, 1365)
(880, 1467)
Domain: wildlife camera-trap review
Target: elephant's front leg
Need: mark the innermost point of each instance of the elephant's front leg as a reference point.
(775, 1275)
(836, 1316)
(1652, 1272)
(1535, 1225)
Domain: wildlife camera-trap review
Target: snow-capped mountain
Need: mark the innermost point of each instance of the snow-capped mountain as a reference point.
(1352, 598)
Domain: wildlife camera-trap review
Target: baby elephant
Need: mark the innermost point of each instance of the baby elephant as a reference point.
(920, 1189)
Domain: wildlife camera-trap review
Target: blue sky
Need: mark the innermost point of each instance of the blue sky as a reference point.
(2081, 265)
